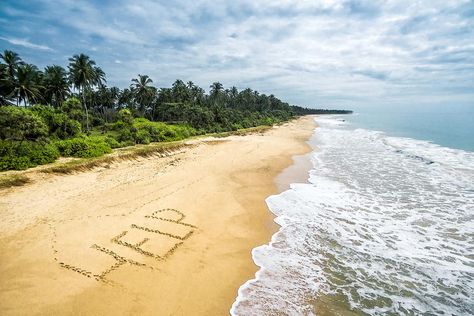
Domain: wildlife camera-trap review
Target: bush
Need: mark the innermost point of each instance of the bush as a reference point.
(97, 121)
(142, 137)
(112, 142)
(126, 135)
(25, 154)
(21, 124)
(159, 132)
(59, 124)
(83, 147)
(73, 109)
(127, 143)
(125, 116)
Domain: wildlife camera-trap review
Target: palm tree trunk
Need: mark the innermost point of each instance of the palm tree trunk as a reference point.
(85, 108)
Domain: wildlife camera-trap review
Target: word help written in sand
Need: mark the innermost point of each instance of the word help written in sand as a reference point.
(146, 240)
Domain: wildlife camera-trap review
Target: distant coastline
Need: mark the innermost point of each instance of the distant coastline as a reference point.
(306, 111)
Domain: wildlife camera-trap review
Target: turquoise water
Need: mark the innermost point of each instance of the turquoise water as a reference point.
(384, 226)
(449, 126)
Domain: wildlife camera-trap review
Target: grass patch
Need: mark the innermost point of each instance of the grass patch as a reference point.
(120, 155)
(242, 132)
(130, 153)
(15, 180)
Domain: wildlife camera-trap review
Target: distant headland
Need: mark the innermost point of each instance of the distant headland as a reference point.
(306, 111)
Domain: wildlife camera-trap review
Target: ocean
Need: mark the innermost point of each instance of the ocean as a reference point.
(384, 226)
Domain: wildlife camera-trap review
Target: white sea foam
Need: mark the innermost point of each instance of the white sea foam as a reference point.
(386, 225)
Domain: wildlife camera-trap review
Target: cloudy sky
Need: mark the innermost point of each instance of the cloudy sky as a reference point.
(312, 53)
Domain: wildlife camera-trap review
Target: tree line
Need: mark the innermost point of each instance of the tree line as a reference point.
(24, 84)
(72, 112)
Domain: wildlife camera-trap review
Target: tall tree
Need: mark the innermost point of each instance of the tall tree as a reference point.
(142, 91)
(215, 93)
(56, 85)
(99, 77)
(125, 99)
(216, 88)
(27, 86)
(180, 91)
(12, 60)
(84, 74)
(8, 74)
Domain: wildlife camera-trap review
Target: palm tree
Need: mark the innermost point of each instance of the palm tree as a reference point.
(125, 98)
(234, 92)
(232, 95)
(114, 95)
(99, 77)
(8, 74)
(142, 91)
(215, 92)
(190, 85)
(27, 85)
(216, 88)
(5, 87)
(180, 91)
(56, 85)
(83, 75)
(12, 60)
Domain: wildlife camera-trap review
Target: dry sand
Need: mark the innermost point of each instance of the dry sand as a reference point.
(153, 236)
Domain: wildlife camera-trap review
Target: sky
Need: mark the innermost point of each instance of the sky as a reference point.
(326, 53)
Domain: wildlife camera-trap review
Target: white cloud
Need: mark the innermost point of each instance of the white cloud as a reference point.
(25, 43)
(306, 52)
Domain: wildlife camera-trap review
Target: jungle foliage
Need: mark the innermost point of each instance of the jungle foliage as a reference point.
(73, 113)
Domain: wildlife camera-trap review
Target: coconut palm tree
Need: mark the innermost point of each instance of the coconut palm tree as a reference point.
(215, 93)
(12, 60)
(180, 91)
(142, 91)
(125, 99)
(27, 86)
(8, 71)
(56, 85)
(99, 77)
(190, 85)
(232, 95)
(216, 88)
(83, 74)
(234, 92)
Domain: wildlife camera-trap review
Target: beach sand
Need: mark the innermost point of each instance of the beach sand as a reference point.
(151, 236)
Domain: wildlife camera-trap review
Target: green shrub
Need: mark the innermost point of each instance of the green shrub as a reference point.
(59, 124)
(97, 121)
(127, 143)
(21, 124)
(159, 132)
(19, 155)
(126, 135)
(142, 137)
(73, 109)
(83, 147)
(125, 116)
(112, 142)
(236, 126)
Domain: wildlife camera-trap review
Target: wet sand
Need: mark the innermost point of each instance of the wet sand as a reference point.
(152, 236)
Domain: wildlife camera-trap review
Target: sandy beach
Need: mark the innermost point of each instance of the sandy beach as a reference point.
(151, 236)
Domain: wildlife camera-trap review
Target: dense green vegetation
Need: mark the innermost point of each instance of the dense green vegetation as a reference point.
(73, 113)
(304, 111)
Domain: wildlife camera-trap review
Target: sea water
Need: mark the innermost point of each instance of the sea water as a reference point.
(385, 226)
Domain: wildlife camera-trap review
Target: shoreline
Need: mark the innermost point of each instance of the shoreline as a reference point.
(216, 193)
(298, 170)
